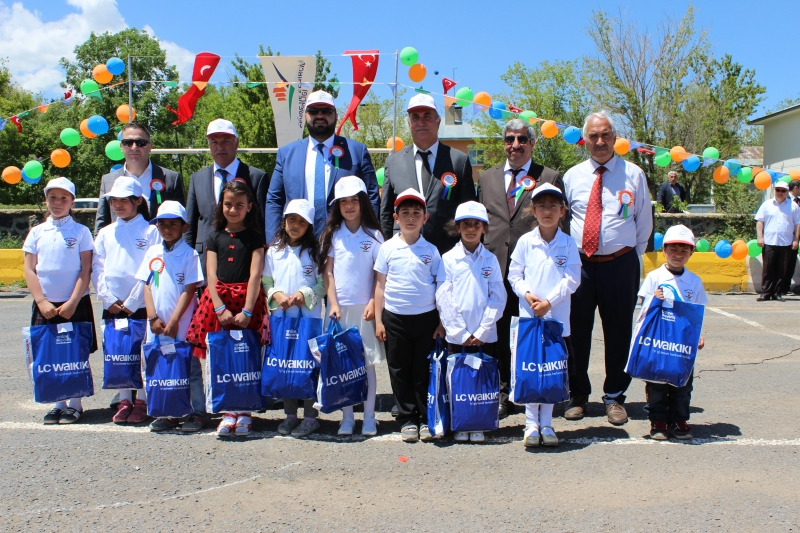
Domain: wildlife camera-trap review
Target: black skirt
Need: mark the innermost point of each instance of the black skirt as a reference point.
(139, 314)
(83, 313)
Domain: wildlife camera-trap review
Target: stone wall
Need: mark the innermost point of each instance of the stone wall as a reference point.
(18, 222)
(701, 224)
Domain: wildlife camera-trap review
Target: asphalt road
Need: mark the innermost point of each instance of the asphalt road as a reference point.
(738, 474)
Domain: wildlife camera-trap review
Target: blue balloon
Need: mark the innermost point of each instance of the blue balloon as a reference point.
(115, 66)
(116, 167)
(572, 135)
(691, 163)
(436, 72)
(658, 241)
(733, 165)
(97, 125)
(119, 135)
(774, 173)
(30, 180)
(496, 111)
(723, 249)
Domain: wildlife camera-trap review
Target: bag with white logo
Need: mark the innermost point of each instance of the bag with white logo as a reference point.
(167, 369)
(473, 383)
(58, 361)
(233, 371)
(665, 339)
(343, 368)
(290, 370)
(122, 353)
(438, 402)
(538, 361)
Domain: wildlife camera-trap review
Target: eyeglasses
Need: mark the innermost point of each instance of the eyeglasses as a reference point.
(141, 143)
(521, 139)
(314, 111)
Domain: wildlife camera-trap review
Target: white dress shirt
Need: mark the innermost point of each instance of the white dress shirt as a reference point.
(508, 176)
(615, 231)
(779, 221)
(144, 179)
(311, 165)
(418, 165)
(232, 169)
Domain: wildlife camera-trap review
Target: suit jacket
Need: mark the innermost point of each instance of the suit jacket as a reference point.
(400, 174)
(289, 178)
(504, 230)
(172, 191)
(201, 204)
(665, 195)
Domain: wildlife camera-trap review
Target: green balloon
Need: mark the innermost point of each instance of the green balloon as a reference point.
(663, 159)
(711, 153)
(380, 175)
(464, 96)
(70, 137)
(33, 169)
(114, 152)
(526, 116)
(753, 249)
(89, 86)
(703, 245)
(745, 175)
(786, 179)
(409, 56)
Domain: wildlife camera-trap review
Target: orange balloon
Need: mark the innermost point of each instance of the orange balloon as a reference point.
(85, 129)
(794, 174)
(101, 74)
(722, 174)
(398, 144)
(739, 250)
(678, 153)
(762, 181)
(60, 158)
(483, 99)
(123, 113)
(12, 175)
(622, 146)
(417, 72)
(549, 129)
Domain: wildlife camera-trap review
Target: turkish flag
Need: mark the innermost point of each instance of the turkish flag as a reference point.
(447, 84)
(514, 109)
(16, 122)
(204, 65)
(365, 67)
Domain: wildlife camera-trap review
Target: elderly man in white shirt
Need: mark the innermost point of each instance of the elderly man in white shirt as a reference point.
(611, 223)
(778, 227)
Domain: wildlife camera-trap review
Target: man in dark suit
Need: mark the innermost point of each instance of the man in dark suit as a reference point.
(428, 167)
(508, 222)
(668, 190)
(309, 168)
(205, 185)
(136, 147)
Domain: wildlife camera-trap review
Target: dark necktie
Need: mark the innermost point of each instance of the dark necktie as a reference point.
(512, 202)
(425, 174)
(594, 215)
(223, 174)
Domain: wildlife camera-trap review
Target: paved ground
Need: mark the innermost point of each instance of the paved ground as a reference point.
(739, 473)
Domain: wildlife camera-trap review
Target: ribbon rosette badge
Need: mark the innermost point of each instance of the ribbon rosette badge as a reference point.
(158, 186)
(336, 153)
(524, 183)
(625, 200)
(156, 267)
(449, 181)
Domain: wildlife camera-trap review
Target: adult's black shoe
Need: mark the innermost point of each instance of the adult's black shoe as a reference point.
(762, 298)
(778, 297)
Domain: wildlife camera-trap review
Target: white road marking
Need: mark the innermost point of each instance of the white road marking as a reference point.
(753, 323)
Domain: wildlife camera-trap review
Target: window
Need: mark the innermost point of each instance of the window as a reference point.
(475, 155)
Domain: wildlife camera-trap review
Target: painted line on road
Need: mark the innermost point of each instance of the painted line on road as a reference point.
(753, 323)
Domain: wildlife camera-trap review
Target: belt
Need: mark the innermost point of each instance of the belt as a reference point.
(605, 258)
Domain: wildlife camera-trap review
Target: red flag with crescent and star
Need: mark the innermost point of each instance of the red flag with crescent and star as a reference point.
(204, 65)
(365, 68)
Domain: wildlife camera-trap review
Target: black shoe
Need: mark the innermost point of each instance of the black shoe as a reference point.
(395, 411)
(762, 298)
(503, 411)
(52, 416)
(69, 416)
(778, 298)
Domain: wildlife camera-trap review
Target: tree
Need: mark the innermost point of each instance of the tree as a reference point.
(321, 80)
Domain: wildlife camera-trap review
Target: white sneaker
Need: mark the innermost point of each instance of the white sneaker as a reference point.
(476, 436)
(369, 428)
(346, 428)
(531, 437)
(461, 436)
(549, 437)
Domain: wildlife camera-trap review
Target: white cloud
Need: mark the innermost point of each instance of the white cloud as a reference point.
(177, 55)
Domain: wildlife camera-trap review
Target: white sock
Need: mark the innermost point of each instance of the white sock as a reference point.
(75, 403)
(372, 388)
(347, 413)
(546, 414)
(126, 394)
(532, 415)
(141, 394)
(61, 405)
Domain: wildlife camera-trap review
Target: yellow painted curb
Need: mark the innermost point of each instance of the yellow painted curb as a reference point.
(12, 263)
(717, 274)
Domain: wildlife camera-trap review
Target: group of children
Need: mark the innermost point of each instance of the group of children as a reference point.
(400, 294)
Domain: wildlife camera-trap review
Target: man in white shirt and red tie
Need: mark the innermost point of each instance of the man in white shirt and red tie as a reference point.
(611, 222)
(778, 228)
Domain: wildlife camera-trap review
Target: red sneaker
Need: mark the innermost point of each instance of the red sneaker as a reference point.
(139, 413)
(659, 431)
(125, 409)
(681, 431)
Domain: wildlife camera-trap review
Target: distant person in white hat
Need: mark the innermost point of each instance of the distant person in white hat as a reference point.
(309, 168)
(442, 175)
(205, 185)
(778, 228)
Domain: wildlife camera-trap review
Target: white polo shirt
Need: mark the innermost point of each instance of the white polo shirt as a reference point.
(471, 296)
(119, 250)
(58, 245)
(410, 275)
(354, 256)
(779, 221)
(688, 285)
(548, 270)
(181, 268)
(292, 271)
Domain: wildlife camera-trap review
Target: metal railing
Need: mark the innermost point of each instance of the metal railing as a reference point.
(190, 151)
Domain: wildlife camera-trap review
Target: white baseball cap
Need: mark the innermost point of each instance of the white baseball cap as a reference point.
(410, 194)
(125, 186)
(300, 207)
(472, 210)
(321, 99)
(170, 209)
(547, 188)
(221, 125)
(421, 100)
(348, 186)
(679, 234)
(781, 185)
(61, 183)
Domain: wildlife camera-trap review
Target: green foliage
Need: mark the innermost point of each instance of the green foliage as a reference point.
(322, 81)
(10, 242)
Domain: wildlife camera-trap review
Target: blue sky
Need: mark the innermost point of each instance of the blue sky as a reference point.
(479, 39)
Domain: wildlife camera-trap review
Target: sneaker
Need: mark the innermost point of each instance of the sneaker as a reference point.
(681, 431)
(69, 416)
(227, 425)
(425, 433)
(369, 428)
(139, 413)
(659, 431)
(531, 437)
(163, 424)
(461, 436)
(409, 433)
(125, 410)
(244, 425)
(476, 436)
(193, 424)
(286, 427)
(346, 427)
(306, 427)
(52, 416)
(549, 437)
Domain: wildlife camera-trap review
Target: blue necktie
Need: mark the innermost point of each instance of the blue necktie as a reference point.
(320, 213)
(223, 174)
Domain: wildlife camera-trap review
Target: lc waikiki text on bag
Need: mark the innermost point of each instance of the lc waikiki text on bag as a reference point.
(290, 370)
(438, 400)
(233, 371)
(665, 339)
(57, 356)
(538, 361)
(122, 353)
(473, 384)
(167, 369)
(343, 370)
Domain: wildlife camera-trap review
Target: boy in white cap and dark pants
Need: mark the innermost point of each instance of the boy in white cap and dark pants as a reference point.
(778, 227)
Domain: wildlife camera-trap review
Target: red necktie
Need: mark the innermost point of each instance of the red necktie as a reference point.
(594, 215)
(512, 201)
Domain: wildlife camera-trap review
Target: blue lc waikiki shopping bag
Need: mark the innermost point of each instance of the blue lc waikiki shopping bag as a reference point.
(538, 361)
(167, 368)
(122, 353)
(473, 383)
(343, 369)
(438, 400)
(665, 339)
(58, 361)
(233, 371)
(290, 370)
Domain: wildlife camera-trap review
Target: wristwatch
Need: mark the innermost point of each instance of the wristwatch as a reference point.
(151, 319)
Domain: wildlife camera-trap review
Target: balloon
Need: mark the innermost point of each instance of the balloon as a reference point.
(380, 175)
(417, 72)
(398, 144)
(33, 169)
(739, 250)
(84, 127)
(733, 166)
(464, 96)
(702, 245)
(722, 174)
(97, 125)
(691, 163)
(550, 129)
(115, 66)
(89, 86)
(663, 158)
(527, 116)
(762, 180)
(711, 153)
(12, 175)
(123, 113)
(786, 179)
(678, 153)
(60, 157)
(116, 167)
(572, 135)
(101, 74)
(409, 56)
(723, 249)
(622, 146)
(28, 179)
(436, 72)
(753, 249)
(658, 240)
(498, 110)
(794, 174)
(483, 99)
(114, 152)
(745, 175)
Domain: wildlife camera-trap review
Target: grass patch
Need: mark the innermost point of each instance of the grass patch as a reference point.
(10, 242)
(38, 207)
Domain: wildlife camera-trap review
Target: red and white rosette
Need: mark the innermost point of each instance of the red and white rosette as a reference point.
(336, 152)
(156, 267)
(449, 181)
(626, 200)
(158, 186)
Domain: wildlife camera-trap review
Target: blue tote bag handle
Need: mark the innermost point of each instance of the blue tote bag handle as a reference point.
(676, 295)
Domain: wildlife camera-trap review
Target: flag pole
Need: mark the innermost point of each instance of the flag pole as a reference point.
(394, 107)
(130, 91)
